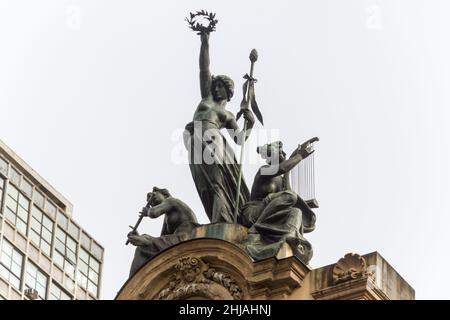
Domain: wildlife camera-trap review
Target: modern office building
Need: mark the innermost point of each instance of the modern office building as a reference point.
(44, 253)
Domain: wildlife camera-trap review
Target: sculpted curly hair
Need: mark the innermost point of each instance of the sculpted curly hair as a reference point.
(228, 83)
(164, 192)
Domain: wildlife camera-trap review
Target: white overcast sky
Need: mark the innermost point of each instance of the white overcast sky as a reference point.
(93, 102)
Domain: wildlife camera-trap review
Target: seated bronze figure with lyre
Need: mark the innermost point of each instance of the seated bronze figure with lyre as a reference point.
(275, 214)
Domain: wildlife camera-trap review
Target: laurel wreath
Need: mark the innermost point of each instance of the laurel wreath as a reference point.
(198, 27)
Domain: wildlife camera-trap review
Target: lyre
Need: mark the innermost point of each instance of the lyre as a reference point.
(303, 180)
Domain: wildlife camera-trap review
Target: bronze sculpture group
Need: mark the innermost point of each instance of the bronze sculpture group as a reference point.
(272, 212)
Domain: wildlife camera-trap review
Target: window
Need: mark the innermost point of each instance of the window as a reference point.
(65, 252)
(2, 188)
(17, 207)
(61, 219)
(88, 272)
(26, 187)
(73, 230)
(56, 293)
(4, 167)
(85, 241)
(97, 251)
(36, 279)
(41, 230)
(14, 176)
(11, 262)
(50, 209)
(39, 199)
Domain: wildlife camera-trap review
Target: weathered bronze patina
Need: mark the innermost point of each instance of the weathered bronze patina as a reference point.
(179, 221)
(212, 162)
(276, 217)
(275, 214)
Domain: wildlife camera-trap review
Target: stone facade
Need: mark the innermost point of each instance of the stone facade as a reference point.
(213, 265)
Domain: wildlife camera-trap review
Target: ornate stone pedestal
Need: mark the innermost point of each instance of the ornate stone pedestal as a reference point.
(213, 264)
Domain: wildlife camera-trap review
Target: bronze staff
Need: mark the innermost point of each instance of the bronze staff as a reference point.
(141, 215)
(248, 98)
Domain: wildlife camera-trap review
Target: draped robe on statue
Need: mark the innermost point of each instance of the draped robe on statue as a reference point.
(280, 217)
(215, 171)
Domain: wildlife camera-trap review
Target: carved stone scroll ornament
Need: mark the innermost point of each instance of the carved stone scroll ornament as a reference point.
(352, 266)
(193, 278)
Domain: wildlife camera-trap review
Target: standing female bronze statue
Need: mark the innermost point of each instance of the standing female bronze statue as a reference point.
(211, 160)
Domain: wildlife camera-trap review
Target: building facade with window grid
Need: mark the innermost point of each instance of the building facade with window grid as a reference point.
(42, 249)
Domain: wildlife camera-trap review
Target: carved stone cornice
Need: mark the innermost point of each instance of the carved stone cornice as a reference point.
(363, 288)
(276, 278)
(216, 269)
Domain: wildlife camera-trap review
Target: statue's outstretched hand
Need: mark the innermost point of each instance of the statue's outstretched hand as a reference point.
(305, 149)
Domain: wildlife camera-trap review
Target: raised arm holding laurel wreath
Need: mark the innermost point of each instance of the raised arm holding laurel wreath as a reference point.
(205, 73)
(212, 162)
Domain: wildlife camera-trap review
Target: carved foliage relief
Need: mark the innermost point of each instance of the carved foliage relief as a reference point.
(192, 278)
